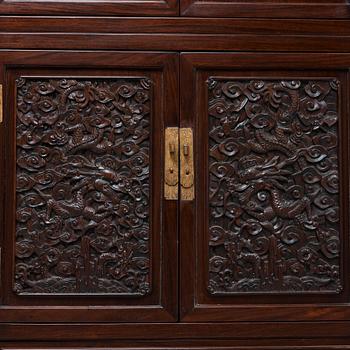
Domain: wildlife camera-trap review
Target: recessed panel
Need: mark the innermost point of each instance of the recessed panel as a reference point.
(273, 186)
(83, 186)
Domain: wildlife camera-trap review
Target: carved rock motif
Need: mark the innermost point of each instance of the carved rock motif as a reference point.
(273, 186)
(83, 186)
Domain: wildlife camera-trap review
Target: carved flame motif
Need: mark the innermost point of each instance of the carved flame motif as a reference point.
(83, 186)
(274, 192)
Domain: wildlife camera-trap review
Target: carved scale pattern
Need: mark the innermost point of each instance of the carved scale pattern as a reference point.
(83, 186)
(273, 186)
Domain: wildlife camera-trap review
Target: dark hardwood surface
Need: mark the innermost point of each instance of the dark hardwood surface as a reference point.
(267, 9)
(37, 42)
(321, 332)
(184, 345)
(98, 7)
(253, 8)
(174, 25)
(174, 42)
(174, 34)
(161, 303)
(196, 303)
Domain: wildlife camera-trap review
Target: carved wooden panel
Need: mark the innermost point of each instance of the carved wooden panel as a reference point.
(273, 186)
(83, 147)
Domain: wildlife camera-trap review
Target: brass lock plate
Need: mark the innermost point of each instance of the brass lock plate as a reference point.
(186, 164)
(171, 163)
(178, 147)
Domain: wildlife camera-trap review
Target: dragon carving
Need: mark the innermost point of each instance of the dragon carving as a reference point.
(83, 151)
(273, 186)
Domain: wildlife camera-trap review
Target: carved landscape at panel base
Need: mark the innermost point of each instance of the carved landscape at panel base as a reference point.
(82, 221)
(274, 186)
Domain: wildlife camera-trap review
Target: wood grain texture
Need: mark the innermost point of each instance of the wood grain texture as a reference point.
(175, 42)
(158, 303)
(90, 8)
(196, 302)
(279, 344)
(175, 25)
(319, 333)
(266, 9)
(233, 347)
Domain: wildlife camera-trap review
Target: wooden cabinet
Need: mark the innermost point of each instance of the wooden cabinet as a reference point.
(174, 175)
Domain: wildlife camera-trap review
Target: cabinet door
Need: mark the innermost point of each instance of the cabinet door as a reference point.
(267, 236)
(84, 235)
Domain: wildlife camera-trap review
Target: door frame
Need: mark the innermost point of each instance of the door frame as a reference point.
(192, 306)
(162, 302)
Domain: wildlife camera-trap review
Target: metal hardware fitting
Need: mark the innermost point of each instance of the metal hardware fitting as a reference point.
(186, 164)
(171, 163)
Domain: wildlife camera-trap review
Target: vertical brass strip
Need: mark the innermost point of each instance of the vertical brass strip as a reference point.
(171, 163)
(186, 164)
(1, 105)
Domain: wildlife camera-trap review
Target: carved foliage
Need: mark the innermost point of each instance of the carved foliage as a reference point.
(274, 194)
(83, 186)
